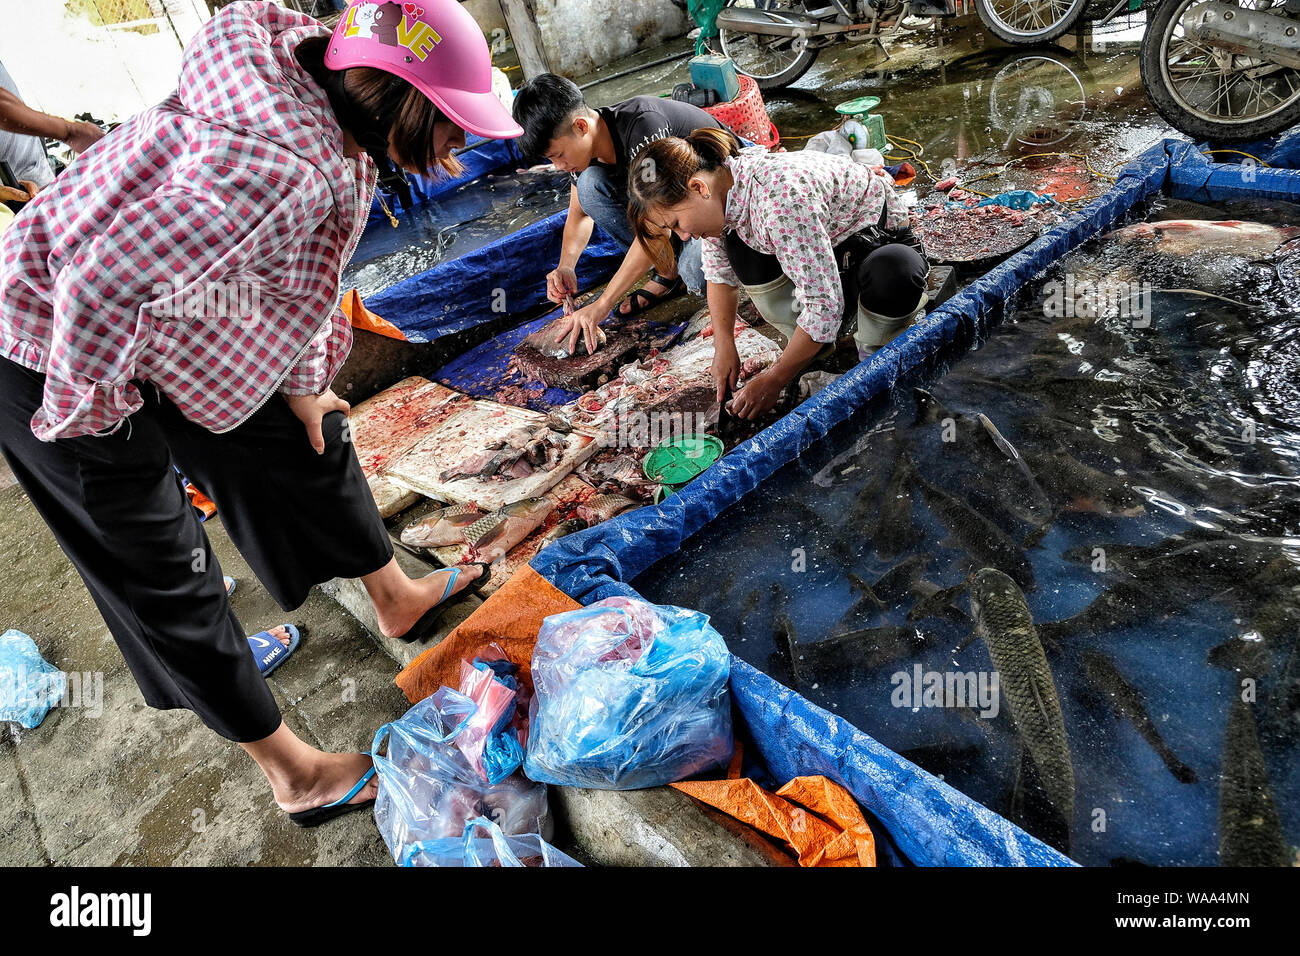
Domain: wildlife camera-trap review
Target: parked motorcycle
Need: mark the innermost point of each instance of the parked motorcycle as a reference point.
(776, 41)
(1224, 71)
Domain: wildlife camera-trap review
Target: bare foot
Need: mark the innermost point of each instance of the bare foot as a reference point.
(422, 594)
(280, 634)
(333, 776)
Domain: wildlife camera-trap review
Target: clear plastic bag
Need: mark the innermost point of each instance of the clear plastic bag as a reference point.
(628, 695)
(496, 848)
(429, 791)
(490, 739)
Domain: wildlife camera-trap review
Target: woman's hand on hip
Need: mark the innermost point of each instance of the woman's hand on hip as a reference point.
(310, 409)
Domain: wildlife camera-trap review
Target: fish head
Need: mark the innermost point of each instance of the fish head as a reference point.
(989, 585)
(533, 508)
(928, 408)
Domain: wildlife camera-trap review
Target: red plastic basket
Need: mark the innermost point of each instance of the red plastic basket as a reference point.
(746, 115)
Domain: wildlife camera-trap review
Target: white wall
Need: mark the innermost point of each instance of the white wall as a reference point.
(66, 65)
(581, 35)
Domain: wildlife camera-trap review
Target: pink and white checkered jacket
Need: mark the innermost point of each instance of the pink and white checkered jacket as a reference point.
(197, 247)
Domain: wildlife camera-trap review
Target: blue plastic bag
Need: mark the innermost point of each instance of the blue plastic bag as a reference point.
(1017, 199)
(29, 686)
(473, 848)
(628, 695)
(427, 789)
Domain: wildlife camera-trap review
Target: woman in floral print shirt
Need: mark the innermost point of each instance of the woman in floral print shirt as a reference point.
(780, 225)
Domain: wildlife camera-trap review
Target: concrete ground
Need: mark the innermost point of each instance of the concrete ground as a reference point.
(138, 786)
(132, 785)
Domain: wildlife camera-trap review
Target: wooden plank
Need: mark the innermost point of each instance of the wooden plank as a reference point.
(526, 37)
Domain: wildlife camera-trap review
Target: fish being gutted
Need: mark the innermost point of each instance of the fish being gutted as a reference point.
(543, 342)
(492, 536)
(603, 507)
(1003, 621)
(443, 528)
(1198, 237)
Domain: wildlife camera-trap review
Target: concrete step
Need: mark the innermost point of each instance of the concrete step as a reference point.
(352, 596)
(658, 827)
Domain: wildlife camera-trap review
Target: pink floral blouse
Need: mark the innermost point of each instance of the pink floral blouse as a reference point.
(799, 206)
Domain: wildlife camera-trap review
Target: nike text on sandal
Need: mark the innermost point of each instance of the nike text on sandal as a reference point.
(318, 815)
(420, 629)
(269, 652)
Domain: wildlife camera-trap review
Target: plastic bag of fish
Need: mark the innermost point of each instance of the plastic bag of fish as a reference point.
(428, 789)
(628, 695)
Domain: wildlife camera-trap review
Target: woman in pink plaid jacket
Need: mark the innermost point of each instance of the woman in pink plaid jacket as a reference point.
(173, 296)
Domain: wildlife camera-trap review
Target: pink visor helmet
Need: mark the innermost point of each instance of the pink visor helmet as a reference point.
(434, 45)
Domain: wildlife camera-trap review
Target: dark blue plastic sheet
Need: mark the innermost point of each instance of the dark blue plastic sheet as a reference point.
(508, 275)
(481, 370)
(932, 823)
(1193, 176)
(479, 157)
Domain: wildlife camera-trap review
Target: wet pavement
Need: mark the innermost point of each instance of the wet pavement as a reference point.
(138, 785)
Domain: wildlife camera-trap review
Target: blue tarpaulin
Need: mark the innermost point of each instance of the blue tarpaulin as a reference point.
(508, 275)
(479, 157)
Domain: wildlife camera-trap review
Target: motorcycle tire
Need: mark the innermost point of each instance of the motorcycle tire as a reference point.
(1008, 34)
(1154, 80)
(801, 65)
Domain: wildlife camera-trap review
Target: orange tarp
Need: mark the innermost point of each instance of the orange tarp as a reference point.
(363, 318)
(511, 617)
(817, 817)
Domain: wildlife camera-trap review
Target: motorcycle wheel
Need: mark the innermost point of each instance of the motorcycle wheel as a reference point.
(1177, 90)
(1025, 22)
(771, 62)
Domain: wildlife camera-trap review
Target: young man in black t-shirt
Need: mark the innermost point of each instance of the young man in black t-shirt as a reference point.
(596, 148)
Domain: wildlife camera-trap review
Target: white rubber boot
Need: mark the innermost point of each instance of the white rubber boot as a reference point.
(875, 330)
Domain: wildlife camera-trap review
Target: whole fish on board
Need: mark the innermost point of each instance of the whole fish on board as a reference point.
(603, 507)
(493, 535)
(442, 528)
(1126, 700)
(1004, 623)
(563, 530)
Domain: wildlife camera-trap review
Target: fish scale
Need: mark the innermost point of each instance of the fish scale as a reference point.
(1003, 621)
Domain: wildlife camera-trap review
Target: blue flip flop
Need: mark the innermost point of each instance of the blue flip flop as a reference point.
(318, 815)
(230, 584)
(269, 652)
(421, 628)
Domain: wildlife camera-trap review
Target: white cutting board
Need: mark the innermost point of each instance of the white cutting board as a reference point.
(469, 431)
